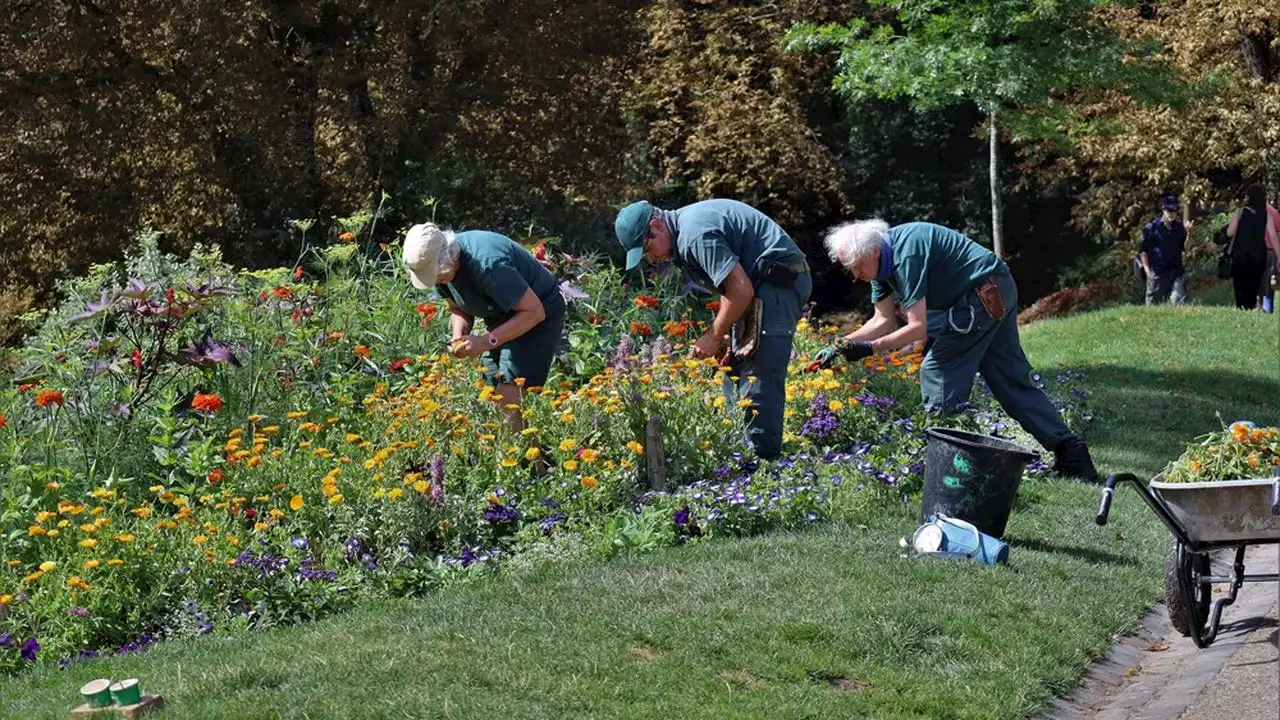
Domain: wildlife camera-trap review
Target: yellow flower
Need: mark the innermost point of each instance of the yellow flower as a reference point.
(570, 465)
(142, 512)
(199, 540)
(32, 577)
(36, 531)
(744, 402)
(45, 515)
(115, 562)
(589, 455)
(337, 498)
(296, 503)
(635, 447)
(254, 418)
(532, 453)
(296, 414)
(589, 482)
(48, 566)
(6, 599)
(91, 564)
(76, 582)
(395, 493)
(835, 405)
(568, 445)
(509, 462)
(89, 543)
(52, 485)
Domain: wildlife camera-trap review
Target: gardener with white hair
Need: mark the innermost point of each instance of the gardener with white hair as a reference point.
(486, 275)
(962, 300)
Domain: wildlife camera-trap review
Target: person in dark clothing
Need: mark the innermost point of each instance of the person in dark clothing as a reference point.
(1250, 232)
(1163, 240)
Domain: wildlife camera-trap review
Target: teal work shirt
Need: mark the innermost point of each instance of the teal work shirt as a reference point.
(494, 272)
(934, 264)
(713, 236)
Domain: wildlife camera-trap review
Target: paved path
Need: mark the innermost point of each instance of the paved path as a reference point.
(1235, 678)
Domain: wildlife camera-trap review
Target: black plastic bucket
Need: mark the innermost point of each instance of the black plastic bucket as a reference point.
(972, 477)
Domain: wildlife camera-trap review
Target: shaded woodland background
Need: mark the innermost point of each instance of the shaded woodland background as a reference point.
(219, 121)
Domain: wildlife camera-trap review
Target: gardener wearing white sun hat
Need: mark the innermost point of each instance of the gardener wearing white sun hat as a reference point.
(487, 275)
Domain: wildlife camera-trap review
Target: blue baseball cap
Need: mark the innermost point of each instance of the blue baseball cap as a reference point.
(630, 226)
(1169, 202)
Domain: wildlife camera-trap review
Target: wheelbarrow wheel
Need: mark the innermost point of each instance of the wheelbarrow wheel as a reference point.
(1181, 568)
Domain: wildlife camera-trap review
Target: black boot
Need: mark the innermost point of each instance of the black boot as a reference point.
(1072, 460)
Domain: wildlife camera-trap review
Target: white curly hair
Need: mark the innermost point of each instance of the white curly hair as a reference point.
(849, 242)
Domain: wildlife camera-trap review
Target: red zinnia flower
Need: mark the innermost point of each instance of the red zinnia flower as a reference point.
(540, 252)
(206, 402)
(646, 301)
(28, 387)
(215, 476)
(400, 364)
(282, 292)
(297, 272)
(428, 310)
(45, 398)
(361, 351)
(714, 306)
(3, 420)
(640, 328)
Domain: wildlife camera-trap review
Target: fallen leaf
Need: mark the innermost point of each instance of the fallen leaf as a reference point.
(1130, 671)
(1158, 647)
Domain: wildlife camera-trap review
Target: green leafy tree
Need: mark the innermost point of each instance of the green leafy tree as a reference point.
(1016, 60)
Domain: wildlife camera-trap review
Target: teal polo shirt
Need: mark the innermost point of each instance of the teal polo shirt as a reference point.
(934, 264)
(494, 272)
(713, 236)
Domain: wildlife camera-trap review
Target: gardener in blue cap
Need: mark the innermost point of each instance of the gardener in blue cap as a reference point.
(961, 299)
(1163, 240)
(739, 251)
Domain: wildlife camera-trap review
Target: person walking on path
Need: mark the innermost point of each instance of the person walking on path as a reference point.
(962, 300)
(747, 257)
(486, 275)
(1250, 232)
(1163, 241)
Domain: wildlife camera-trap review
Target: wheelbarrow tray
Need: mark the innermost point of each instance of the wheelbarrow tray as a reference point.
(1221, 513)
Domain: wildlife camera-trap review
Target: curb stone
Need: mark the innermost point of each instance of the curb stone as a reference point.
(1135, 683)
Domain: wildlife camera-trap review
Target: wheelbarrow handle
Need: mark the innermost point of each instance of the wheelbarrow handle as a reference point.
(1104, 508)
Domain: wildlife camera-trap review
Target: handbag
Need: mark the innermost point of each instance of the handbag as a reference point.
(1224, 261)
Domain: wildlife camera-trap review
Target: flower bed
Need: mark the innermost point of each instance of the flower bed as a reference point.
(189, 446)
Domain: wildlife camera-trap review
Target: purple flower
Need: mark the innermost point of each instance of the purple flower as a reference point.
(550, 503)
(498, 513)
(78, 612)
(300, 543)
(681, 517)
(622, 354)
(437, 479)
(547, 524)
(29, 650)
(821, 420)
(352, 548)
(6, 640)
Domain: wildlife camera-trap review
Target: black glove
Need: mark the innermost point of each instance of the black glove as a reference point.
(855, 349)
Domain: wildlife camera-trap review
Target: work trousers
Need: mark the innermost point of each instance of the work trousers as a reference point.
(762, 378)
(964, 340)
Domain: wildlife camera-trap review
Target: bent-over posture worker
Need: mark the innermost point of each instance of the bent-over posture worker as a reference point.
(741, 252)
(962, 300)
(486, 275)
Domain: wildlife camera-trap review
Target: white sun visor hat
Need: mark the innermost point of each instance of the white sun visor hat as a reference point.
(423, 245)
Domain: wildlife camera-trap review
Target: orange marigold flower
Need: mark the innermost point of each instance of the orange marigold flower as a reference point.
(361, 351)
(428, 311)
(215, 476)
(206, 402)
(640, 328)
(676, 328)
(45, 398)
(297, 272)
(347, 237)
(589, 482)
(646, 301)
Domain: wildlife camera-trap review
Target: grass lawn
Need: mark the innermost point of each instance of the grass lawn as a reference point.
(826, 623)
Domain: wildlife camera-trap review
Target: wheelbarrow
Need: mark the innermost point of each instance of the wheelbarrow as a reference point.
(1205, 517)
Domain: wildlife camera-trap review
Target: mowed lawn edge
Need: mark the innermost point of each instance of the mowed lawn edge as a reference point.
(827, 623)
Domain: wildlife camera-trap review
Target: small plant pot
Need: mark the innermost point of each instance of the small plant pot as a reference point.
(97, 693)
(127, 692)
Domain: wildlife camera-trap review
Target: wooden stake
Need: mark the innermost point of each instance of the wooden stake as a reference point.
(655, 457)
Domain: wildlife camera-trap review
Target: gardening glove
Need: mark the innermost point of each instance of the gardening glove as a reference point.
(850, 349)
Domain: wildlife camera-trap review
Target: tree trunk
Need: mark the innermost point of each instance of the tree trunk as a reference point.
(997, 210)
